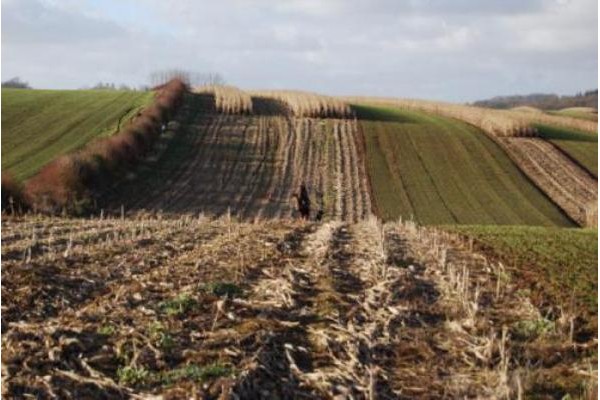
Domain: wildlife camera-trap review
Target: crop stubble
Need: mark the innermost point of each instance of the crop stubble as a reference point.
(252, 165)
(304, 310)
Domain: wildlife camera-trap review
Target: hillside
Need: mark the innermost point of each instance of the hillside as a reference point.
(39, 125)
(190, 306)
(251, 165)
(438, 170)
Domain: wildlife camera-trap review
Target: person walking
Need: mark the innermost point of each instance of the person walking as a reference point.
(303, 202)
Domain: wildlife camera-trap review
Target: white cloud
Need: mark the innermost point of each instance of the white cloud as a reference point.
(456, 50)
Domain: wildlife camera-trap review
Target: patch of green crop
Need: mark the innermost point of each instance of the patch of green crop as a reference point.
(438, 170)
(561, 263)
(40, 125)
(222, 289)
(576, 114)
(179, 305)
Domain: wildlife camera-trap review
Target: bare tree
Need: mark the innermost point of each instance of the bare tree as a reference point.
(158, 78)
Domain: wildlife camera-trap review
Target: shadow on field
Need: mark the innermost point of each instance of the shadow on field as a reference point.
(204, 102)
(382, 114)
(267, 106)
(557, 133)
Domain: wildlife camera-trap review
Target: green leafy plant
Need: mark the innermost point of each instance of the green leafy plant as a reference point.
(133, 375)
(178, 305)
(532, 329)
(160, 337)
(106, 330)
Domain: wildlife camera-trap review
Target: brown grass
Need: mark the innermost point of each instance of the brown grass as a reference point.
(497, 123)
(306, 104)
(71, 181)
(558, 120)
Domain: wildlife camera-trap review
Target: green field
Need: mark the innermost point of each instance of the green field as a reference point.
(581, 146)
(575, 114)
(558, 262)
(441, 171)
(39, 125)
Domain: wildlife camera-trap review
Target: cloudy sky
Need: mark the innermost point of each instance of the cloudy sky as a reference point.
(456, 50)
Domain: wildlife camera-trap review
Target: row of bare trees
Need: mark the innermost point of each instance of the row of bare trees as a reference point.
(191, 79)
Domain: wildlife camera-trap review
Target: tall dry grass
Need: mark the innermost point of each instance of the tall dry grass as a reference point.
(228, 99)
(70, 182)
(497, 123)
(558, 120)
(306, 104)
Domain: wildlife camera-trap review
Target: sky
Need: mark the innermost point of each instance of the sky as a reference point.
(453, 50)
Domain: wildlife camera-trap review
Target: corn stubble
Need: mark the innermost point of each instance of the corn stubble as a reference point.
(228, 99)
(307, 104)
(193, 306)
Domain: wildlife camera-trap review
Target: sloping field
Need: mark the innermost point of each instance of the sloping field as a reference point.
(40, 125)
(580, 146)
(252, 165)
(439, 171)
(199, 308)
(587, 113)
(565, 182)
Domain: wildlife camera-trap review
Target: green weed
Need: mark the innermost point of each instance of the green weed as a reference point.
(160, 337)
(179, 305)
(532, 329)
(106, 330)
(133, 375)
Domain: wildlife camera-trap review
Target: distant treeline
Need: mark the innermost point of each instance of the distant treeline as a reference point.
(15, 83)
(543, 101)
(156, 79)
